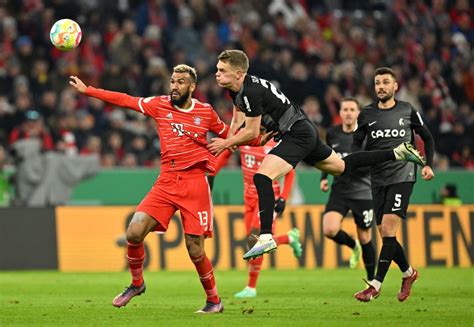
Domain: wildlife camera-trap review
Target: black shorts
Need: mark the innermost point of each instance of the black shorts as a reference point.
(301, 142)
(391, 199)
(362, 210)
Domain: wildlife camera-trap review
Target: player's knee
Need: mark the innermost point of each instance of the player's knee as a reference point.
(330, 231)
(194, 246)
(364, 236)
(136, 230)
(388, 231)
(195, 252)
(134, 236)
(330, 228)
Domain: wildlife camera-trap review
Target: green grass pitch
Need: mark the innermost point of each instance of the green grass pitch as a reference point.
(441, 297)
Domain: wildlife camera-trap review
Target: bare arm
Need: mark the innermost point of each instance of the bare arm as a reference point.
(238, 118)
(246, 134)
(116, 98)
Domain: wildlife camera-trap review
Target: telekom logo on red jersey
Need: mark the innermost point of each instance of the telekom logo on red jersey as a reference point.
(178, 128)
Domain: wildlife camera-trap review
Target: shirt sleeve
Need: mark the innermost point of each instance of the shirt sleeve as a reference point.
(222, 160)
(360, 133)
(139, 104)
(252, 102)
(415, 119)
(217, 126)
(329, 137)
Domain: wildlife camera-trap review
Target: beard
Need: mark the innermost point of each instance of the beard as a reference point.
(386, 97)
(181, 100)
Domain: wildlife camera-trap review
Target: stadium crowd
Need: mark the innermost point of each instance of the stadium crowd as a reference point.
(316, 51)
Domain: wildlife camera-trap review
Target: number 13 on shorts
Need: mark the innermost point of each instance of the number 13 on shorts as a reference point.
(204, 219)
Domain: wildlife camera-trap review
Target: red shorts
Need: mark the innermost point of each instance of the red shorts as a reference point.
(187, 192)
(251, 215)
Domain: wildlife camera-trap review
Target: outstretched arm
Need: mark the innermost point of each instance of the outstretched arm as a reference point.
(116, 98)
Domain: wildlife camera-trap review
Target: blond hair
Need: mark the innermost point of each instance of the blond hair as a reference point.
(186, 69)
(236, 58)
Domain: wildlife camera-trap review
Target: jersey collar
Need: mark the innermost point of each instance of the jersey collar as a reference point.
(186, 110)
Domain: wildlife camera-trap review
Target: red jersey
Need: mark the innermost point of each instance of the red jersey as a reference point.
(182, 132)
(251, 158)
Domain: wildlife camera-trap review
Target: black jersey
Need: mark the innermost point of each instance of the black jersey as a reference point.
(258, 96)
(385, 129)
(354, 184)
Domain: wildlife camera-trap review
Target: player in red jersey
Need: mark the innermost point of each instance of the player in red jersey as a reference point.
(251, 157)
(182, 124)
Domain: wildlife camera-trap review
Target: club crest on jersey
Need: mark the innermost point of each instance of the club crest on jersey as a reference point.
(197, 120)
(400, 122)
(169, 115)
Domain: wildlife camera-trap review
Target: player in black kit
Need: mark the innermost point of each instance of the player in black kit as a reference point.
(385, 124)
(349, 192)
(257, 102)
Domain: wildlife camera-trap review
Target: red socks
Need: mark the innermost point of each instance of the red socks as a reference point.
(136, 257)
(255, 265)
(206, 275)
(254, 270)
(281, 239)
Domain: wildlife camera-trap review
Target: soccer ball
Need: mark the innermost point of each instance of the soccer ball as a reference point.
(65, 34)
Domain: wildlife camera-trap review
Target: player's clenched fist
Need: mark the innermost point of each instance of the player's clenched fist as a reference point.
(427, 173)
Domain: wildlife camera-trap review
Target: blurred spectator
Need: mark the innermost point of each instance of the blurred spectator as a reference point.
(93, 145)
(449, 195)
(315, 51)
(292, 11)
(185, 37)
(65, 126)
(312, 110)
(410, 92)
(32, 128)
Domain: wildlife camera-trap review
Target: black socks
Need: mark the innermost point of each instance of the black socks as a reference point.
(368, 255)
(400, 258)
(344, 239)
(266, 202)
(386, 255)
(366, 158)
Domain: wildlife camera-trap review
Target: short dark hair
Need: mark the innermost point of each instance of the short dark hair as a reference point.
(385, 70)
(351, 99)
(236, 58)
(186, 69)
